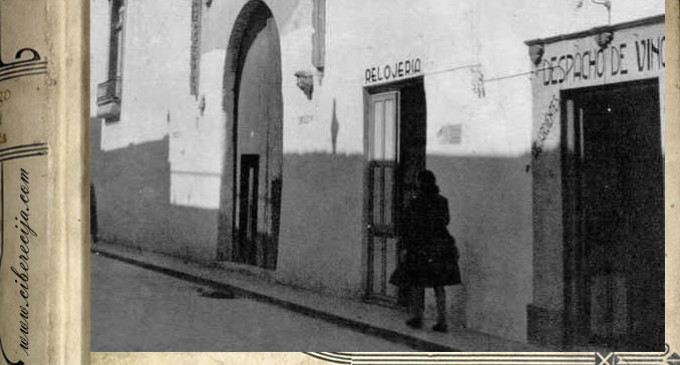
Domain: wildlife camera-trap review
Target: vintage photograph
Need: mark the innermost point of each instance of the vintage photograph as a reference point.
(377, 175)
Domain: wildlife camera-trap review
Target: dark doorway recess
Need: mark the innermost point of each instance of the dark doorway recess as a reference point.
(614, 216)
(246, 247)
(395, 127)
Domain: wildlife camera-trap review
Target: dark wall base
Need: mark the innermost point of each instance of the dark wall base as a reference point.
(545, 327)
(132, 188)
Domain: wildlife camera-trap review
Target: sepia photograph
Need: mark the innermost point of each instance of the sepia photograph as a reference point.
(377, 176)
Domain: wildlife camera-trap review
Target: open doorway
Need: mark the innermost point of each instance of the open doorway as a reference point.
(395, 127)
(250, 203)
(614, 216)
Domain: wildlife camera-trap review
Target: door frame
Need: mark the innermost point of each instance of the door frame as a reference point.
(368, 93)
(576, 325)
(369, 184)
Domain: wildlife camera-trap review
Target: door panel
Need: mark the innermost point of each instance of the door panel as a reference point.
(391, 255)
(390, 128)
(248, 203)
(382, 232)
(382, 229)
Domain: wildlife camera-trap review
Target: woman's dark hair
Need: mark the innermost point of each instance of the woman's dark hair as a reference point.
(428, 181)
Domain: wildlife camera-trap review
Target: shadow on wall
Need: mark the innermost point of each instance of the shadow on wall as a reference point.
(490, 200)
(321, 238)
(321, 222)
(132, 187)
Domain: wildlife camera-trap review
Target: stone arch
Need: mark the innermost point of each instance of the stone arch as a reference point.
(253, 109)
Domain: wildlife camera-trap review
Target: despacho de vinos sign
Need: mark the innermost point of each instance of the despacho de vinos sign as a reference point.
(616, 60)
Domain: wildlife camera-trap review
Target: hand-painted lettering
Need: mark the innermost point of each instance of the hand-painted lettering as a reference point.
(595, 64)
(394, 71)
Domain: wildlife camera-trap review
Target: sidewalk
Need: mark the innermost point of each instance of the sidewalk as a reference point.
(367, 318)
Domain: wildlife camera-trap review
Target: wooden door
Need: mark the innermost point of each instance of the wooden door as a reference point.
(618, 224)
(383, 152)
(248, 203)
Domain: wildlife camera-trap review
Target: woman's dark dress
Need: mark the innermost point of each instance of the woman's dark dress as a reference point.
(431, 253)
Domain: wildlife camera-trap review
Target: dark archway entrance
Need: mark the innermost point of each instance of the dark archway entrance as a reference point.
(250, 202)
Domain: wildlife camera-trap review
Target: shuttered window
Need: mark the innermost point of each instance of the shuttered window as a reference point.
(109, 92)
(196, 10)
(116, 41)
(319, 36)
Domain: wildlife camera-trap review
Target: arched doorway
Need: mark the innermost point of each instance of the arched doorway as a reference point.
(250, 203)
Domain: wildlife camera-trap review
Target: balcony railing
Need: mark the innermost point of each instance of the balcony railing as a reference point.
(108, 100)
(108, 92)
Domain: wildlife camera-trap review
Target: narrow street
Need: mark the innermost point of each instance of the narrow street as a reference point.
(139, 310)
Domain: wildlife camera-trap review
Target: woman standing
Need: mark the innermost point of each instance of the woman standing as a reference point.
(431, 257)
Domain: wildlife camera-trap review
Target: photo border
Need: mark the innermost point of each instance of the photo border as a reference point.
(670, 356)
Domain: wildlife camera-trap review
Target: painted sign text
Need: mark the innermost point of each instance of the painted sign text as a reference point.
(616, 60)
(398, 70)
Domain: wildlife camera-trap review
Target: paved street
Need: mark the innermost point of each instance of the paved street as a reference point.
(135, 309)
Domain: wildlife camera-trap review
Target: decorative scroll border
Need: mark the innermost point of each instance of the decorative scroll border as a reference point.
(23, 151)
(502, 358)
(21, 66)
(25, 68)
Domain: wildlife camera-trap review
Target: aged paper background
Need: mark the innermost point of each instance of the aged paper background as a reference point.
(672, 216)
(44, 167)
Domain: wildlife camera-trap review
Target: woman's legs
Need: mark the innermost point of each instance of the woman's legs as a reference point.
(418, 305)
(440, 296)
